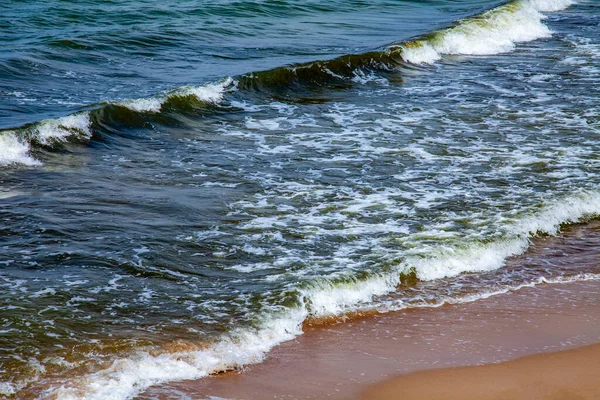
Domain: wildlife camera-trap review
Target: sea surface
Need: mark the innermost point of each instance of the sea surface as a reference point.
(184, 184)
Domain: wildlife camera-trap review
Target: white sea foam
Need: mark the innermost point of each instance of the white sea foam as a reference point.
(59, 130)
(7, 389)
(150, 104)
(330, 297)
(448, 262)
(268, 124)
(326, 298)
(550, 5)
(210, 93)
(127, 377)
(493, 32)
(44, 292)
(364, 78)
(15, 151)
(420, 52)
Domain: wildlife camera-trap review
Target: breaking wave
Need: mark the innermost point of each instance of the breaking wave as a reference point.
(493, 32)
(16, 144)
(128, 376)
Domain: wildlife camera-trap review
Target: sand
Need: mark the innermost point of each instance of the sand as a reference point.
(340, 361)
(567, 375)
(420, 353)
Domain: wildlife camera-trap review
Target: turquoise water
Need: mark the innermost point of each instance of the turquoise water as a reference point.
(183, 186)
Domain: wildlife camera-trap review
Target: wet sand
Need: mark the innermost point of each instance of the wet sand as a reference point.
(568, 375)
(340, 361)
(372, 355)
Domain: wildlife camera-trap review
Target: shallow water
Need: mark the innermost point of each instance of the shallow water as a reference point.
(172, 207)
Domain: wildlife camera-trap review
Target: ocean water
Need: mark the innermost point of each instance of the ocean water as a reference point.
(183, 185)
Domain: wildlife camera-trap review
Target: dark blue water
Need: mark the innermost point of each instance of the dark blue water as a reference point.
(182, 186)
(60, 57)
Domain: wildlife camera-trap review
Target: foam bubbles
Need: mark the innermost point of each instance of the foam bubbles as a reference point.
(127, 377)
(418, 180)
(493, 32)
(15, 151)
(210, 93)
(52, 131)
(151, 104)
(7, 389)
(420, 52)
(326, 298)
(550, 5)
(453, 261)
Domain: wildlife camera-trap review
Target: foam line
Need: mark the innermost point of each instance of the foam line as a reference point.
(15, 151)
(210, 93)
(127, 377)
(493, 32)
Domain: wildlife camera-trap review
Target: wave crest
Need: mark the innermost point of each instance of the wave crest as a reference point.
(493, 32)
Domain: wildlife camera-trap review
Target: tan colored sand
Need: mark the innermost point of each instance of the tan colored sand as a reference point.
(566, 375)
(339, 361)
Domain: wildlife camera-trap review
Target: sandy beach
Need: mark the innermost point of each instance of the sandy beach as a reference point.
(571, 374)
(342, 360)
(519, 344)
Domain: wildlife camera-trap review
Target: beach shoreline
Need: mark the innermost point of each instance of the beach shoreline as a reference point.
(343, 360)
(346, 358)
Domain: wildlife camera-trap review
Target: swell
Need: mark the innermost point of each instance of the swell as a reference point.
(492, 32)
